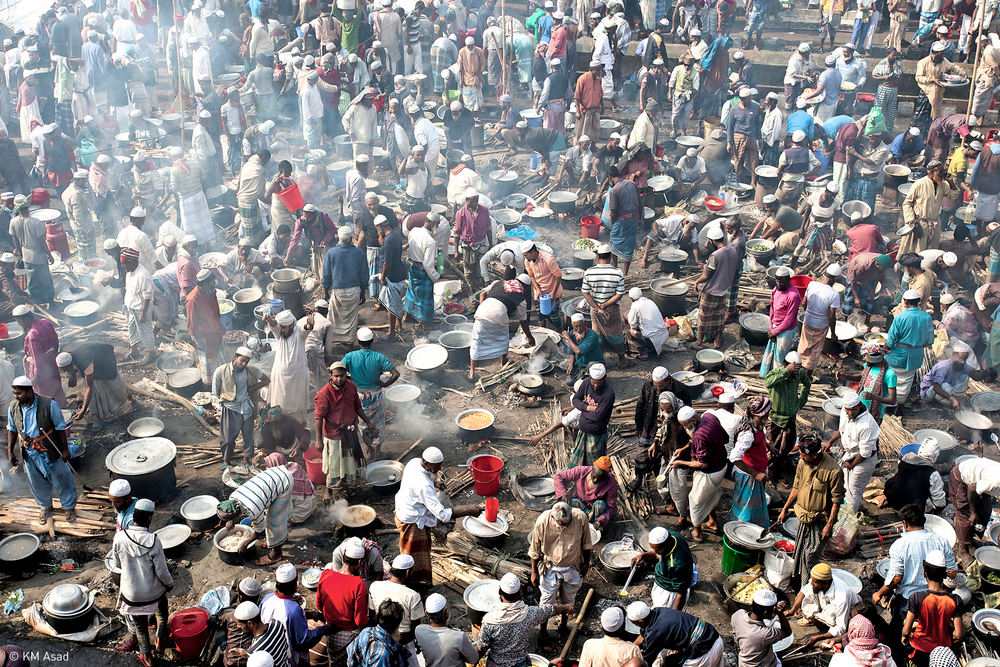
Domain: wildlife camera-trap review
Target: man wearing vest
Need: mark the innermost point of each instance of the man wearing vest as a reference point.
(37, 422)
(552, 101)
(236, 385)
(794, 164)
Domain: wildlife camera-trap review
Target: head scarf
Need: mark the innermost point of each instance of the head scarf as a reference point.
(270, 414)
(541, 49)
(228, 510)
(863, 644)
(603, 463)
(758, 407)
(943, 656)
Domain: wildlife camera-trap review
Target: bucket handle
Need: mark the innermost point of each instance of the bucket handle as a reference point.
(488, 481)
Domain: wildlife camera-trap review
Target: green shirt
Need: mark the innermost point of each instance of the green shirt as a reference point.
(675, 569)
(786, 396)
(349, 31)
(590, 350)
(366, 367)
(531, 23)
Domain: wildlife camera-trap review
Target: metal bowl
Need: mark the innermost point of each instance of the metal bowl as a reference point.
(174, 535)
(171, 362)
(310, 578)
(945, 440)
(530, 384)
(383, 476)
(66, 600)
(402, 394)
(146, 427)
(474, 411)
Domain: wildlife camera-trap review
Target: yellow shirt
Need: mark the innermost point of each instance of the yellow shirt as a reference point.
(959, 164)
(838, 7)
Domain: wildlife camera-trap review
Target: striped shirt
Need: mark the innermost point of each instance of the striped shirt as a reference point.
(257, 494)
(603, 281)
(884, 68)
(186, 183)
(274, 641)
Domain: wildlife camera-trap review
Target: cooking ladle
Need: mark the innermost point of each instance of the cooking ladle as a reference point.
(767, 531)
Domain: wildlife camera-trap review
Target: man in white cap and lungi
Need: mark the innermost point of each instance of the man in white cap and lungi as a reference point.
(647, 331)
(594, 399)
(367, 367)
(440, 645)
(506, 629)
(266, 499)
(560, 549)
(37, 423)
(471, 68)
(674, 573)
(236, 385)
(205, 323)
(120, 495)
(603, 288)
(319, 343)
(311, 108)
(395, 589)
(138, 307)
(782, 321)
(473, 233)
(858, 434)
(134, 237)
(105, 388)
(345, 279)
(289, 387)
(338, 436)
(911, 331)
(187, 181)
(76, 201)
(237, 639)
(461, 178)
(500, 301)
(264, 641)
(664, 629)
(754, 636)
(820, 316)
(788, 387)
(610, 649)
(714, 285)
(418, 509)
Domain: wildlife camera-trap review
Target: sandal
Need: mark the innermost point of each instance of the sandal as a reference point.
(71, 515)
(264, 561)
(127, 645)
(44, 516)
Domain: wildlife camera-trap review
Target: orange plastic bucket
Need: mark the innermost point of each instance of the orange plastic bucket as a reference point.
(314, 466)
(189, 630)
(486, 471)
(800, 283)
(291, 197)
(590, 226)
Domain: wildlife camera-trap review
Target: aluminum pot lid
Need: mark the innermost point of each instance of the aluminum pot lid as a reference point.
(185, 377)
(973, 420)
(989, 556)
(141, 457)
(758, 322)
(66, 600)
(562, 197)
(82, 308)
(986, 401)
(483, 595)
(200, 508)
(673, 255)
(173, 535)
(483, 528)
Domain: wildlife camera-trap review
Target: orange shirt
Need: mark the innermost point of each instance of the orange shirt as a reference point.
(547, 273)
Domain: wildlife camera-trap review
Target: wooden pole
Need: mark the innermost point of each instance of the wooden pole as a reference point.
(975, 66)
(503, 62)
(576, 626)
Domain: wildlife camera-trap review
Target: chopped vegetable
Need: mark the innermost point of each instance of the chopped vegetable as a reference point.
(760, 247)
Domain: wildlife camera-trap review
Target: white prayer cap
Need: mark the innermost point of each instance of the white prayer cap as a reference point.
(975, 145)
(188, 238)
(134, 113)
(857, 215)
(665, 397)
(245, 242)
(738, 55)
(769, 199)
(555, 61)
(402, 562)
(204, 113)
(203, 275)
(352, 58)
(365, 334)
(387, 3)
(322, 303)
(604, 249)
(524, 279)
(745, 92)
(20, 311)
(727, 398)
(260, 659)
(456, 106)
(527, 246)
(850, 45)
(362, 159)
(765, 597)
(935, 558)
(833, 187)
(507, 257)
(851, 399)
(658, 61)
(510, 584)
(615, 135)
(594, 15)
(246, 611)
(947, 299)
(285, 573)
(598, 371)
(804, 47)
(950, 259)
(961, 348)
(695, 32)
(692, 152)
(834, 270)
(793, 358)
(801, 103)
(309, 61)
(577, 317)
(267, 126)
(929, 449)
(660, 373)
(376, 44)
(21, 381)
(108, 245)
(137, 212)
(612, 619)
(772, 95)
(664, 22)
(435, 602)
(144, 505)
(285, 318)
(915, 131)
(119, 488)
(176, 152)
(715, 233)
(345, 233)
(249, 586)
(658, 535)
(244, 351)
(470, 41)
(637, 611)
(783, 272)
(911, 295)
(354, 548)
(432, 455)
(686, 413)
(831, 60)
(798, 136)
(471, 193)
(81, 173)
(938, 47)
(942, 30)
(635, 293)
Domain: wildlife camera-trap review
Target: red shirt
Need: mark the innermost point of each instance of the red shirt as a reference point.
(864, 238)
(846, 136)
(934, 612)
(337, 407)
(343, 600)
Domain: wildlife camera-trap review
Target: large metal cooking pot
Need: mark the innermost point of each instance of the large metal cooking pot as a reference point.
(584, 259)
(357, 519)
(479, 434)
(427, 361)
(19, 553)
(969, 422)
(562, 201)
(672, 260)
(480, 598)
(507, 217)
(831, 413)
(458, 344)
(670, 299)
(185, 382)
(530, 384)
(767, 176)
(383, 476)
(895, 175)
(616, 561)
(82, 313)
(754, 327)
(247, 299)
(572, 278)
(710, 360)
(200, 513)
(482, 533)
(226, 556)
(286, 281)
(68, 608)
(147, 464)
(503, 182)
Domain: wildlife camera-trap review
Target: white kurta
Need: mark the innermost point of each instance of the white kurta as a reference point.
(201, 67)
(644, 316)
(289, 388)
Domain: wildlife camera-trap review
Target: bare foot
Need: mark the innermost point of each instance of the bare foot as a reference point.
(71, 515)
(698, 346)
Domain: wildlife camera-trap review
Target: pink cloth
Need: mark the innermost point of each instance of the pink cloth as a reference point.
(864, 238)
(863, 645)
(472, 228)
(784, 309)
(960, 322)
(187, 273)
(575, 482)
(41, 344)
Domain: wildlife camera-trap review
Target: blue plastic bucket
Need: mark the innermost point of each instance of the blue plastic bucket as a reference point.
(277, 305)
(535, 159)
(227, 318)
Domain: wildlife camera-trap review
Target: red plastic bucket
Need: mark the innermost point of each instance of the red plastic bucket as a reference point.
(590, 226)
(291, 197)
(40, 197)
(189, 630)
(314, 466)
(486, 471)
(800, 283)
(784, 545)
(492, 509)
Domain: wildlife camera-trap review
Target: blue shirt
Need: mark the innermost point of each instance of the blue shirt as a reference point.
(832, 127)
(942, 372)
(995, 149)
(896, 147)
(374, 647)
(912, 327)
(800, 120)
(830, 79)
(545, 28)
(906, 559)
(344, 267)
(255, 7)
(30, 424)
(124, 519)
(366, 366)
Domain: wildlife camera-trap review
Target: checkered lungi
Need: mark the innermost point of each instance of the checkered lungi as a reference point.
(866, 292)
(734, 291)
(608, 325)
(774, 353)
(711, 314)
(887, 97)
(811, 342)
(472, 97)
(391, 296)
(809, 547)
(921, 113)
(420, 295)
(334, 647)
(196, 218)
(559, 585)
(749, 499)
(587, 448)
(862, 189)
(746, 154)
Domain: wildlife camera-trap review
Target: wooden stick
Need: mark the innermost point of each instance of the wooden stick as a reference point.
(409, 449)
(576, 626)
(176, 399)
(455, 391)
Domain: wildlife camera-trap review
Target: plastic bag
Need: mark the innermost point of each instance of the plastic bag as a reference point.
(684, 329)
(215, 600)
(876, 122)
(845, 534)
(778, 567)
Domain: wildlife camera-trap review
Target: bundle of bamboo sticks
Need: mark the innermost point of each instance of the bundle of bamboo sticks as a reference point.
(498, 377)
(874, 542)
(454, 573)
(635, 502)
(198, 457)
(493, 563)
(91, 518)
(458, 481)
(893, 437)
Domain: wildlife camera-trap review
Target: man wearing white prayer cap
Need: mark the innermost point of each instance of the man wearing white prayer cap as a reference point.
(664, 629)
(236, 386)
(708, 461)
(440, 645)
(647, 421)
(201, 305)
(247, 599)
(911, 331)
(603, 288)
(674, 570)
(281, 605)
(595, 399)
(714, 284)
(507, 628)
(289, 388)
(821, 304)
(756, 638)
(647, 331)
(342, 594)
(338, 412)
(917, 481)
(473, 234)
(120, 495)
(858, 435)
(577, 162)
(370, 566)
(345, 280)
(949, 378)
(497, 304)
(367, 368)
(260, 659)
(96, 362)
(396, 590)
(418, 510)
(788, 387)
(610, 649)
